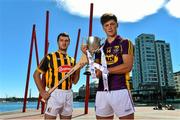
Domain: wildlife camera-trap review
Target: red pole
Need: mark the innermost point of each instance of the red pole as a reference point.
(39, 100)
(91, 20)
(87, 75)
(36, 48)
(46, 34)
(45, 53)
(37, 61)
(29, 69)
(77, 44)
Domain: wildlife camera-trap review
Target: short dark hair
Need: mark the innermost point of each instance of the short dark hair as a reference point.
(64, 34)
(108, 16)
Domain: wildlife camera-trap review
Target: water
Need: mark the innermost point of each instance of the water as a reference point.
(12, 106)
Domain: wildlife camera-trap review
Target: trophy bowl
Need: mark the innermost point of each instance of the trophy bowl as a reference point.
(93, 44)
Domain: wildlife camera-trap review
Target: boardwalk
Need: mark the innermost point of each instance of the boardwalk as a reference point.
(142, 113)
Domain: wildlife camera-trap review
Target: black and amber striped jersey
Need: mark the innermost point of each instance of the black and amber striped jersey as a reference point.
(55, 65)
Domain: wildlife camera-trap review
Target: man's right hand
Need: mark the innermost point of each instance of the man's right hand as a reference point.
(84, 48)
(98, 73)
(45, 95)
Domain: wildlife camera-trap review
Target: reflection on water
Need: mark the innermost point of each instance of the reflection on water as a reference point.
(11, 106)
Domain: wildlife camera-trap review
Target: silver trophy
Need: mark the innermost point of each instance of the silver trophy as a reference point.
(93, 44)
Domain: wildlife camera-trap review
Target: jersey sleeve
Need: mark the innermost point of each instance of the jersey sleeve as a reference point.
(127, 47)
(43, 67)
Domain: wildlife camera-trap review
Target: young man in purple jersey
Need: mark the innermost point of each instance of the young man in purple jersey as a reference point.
(119, 58)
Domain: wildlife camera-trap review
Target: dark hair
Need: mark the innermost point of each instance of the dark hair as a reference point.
(64, 34)
(108, 16)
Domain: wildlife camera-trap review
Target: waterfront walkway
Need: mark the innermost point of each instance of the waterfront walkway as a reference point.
(142, 113)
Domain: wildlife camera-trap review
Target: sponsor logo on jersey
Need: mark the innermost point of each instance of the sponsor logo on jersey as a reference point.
(111, 59)
(64, 68)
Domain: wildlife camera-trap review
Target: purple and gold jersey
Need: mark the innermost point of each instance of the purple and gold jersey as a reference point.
(113, 52)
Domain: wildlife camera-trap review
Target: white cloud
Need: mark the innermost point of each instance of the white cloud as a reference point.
(125, 10)
(173, 6)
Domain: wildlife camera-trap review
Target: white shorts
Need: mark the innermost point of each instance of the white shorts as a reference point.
(109, 102)
(60, 102)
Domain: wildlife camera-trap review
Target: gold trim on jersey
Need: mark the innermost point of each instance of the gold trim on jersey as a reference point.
(130, 48)
(127, 78)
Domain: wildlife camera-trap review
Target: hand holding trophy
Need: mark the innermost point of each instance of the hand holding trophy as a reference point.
(93, 45)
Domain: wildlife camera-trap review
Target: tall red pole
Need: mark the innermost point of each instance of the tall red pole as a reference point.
(45, 53)
(36, 48)
(29, 69)
(46, 34)
(37, 60)
(91, 20)
(87, 75)
(77, 44)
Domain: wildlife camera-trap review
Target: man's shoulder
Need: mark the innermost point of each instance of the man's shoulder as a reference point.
(72, 58)
(125, 40)
(122, 39)
(51, 53)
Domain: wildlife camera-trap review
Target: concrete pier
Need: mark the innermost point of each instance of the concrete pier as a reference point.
(142, 113)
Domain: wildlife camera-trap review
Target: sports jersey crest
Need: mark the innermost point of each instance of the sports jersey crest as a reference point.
(116, 49)
(108, 50)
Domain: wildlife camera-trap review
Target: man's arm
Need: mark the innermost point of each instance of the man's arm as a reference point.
(75, 76)
(123, 68)
(44, 94)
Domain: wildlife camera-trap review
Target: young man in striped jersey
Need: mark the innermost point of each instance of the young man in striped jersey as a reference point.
(119, 59)
(55, 65)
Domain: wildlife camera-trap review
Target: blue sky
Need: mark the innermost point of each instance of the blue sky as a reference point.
(18, 16)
